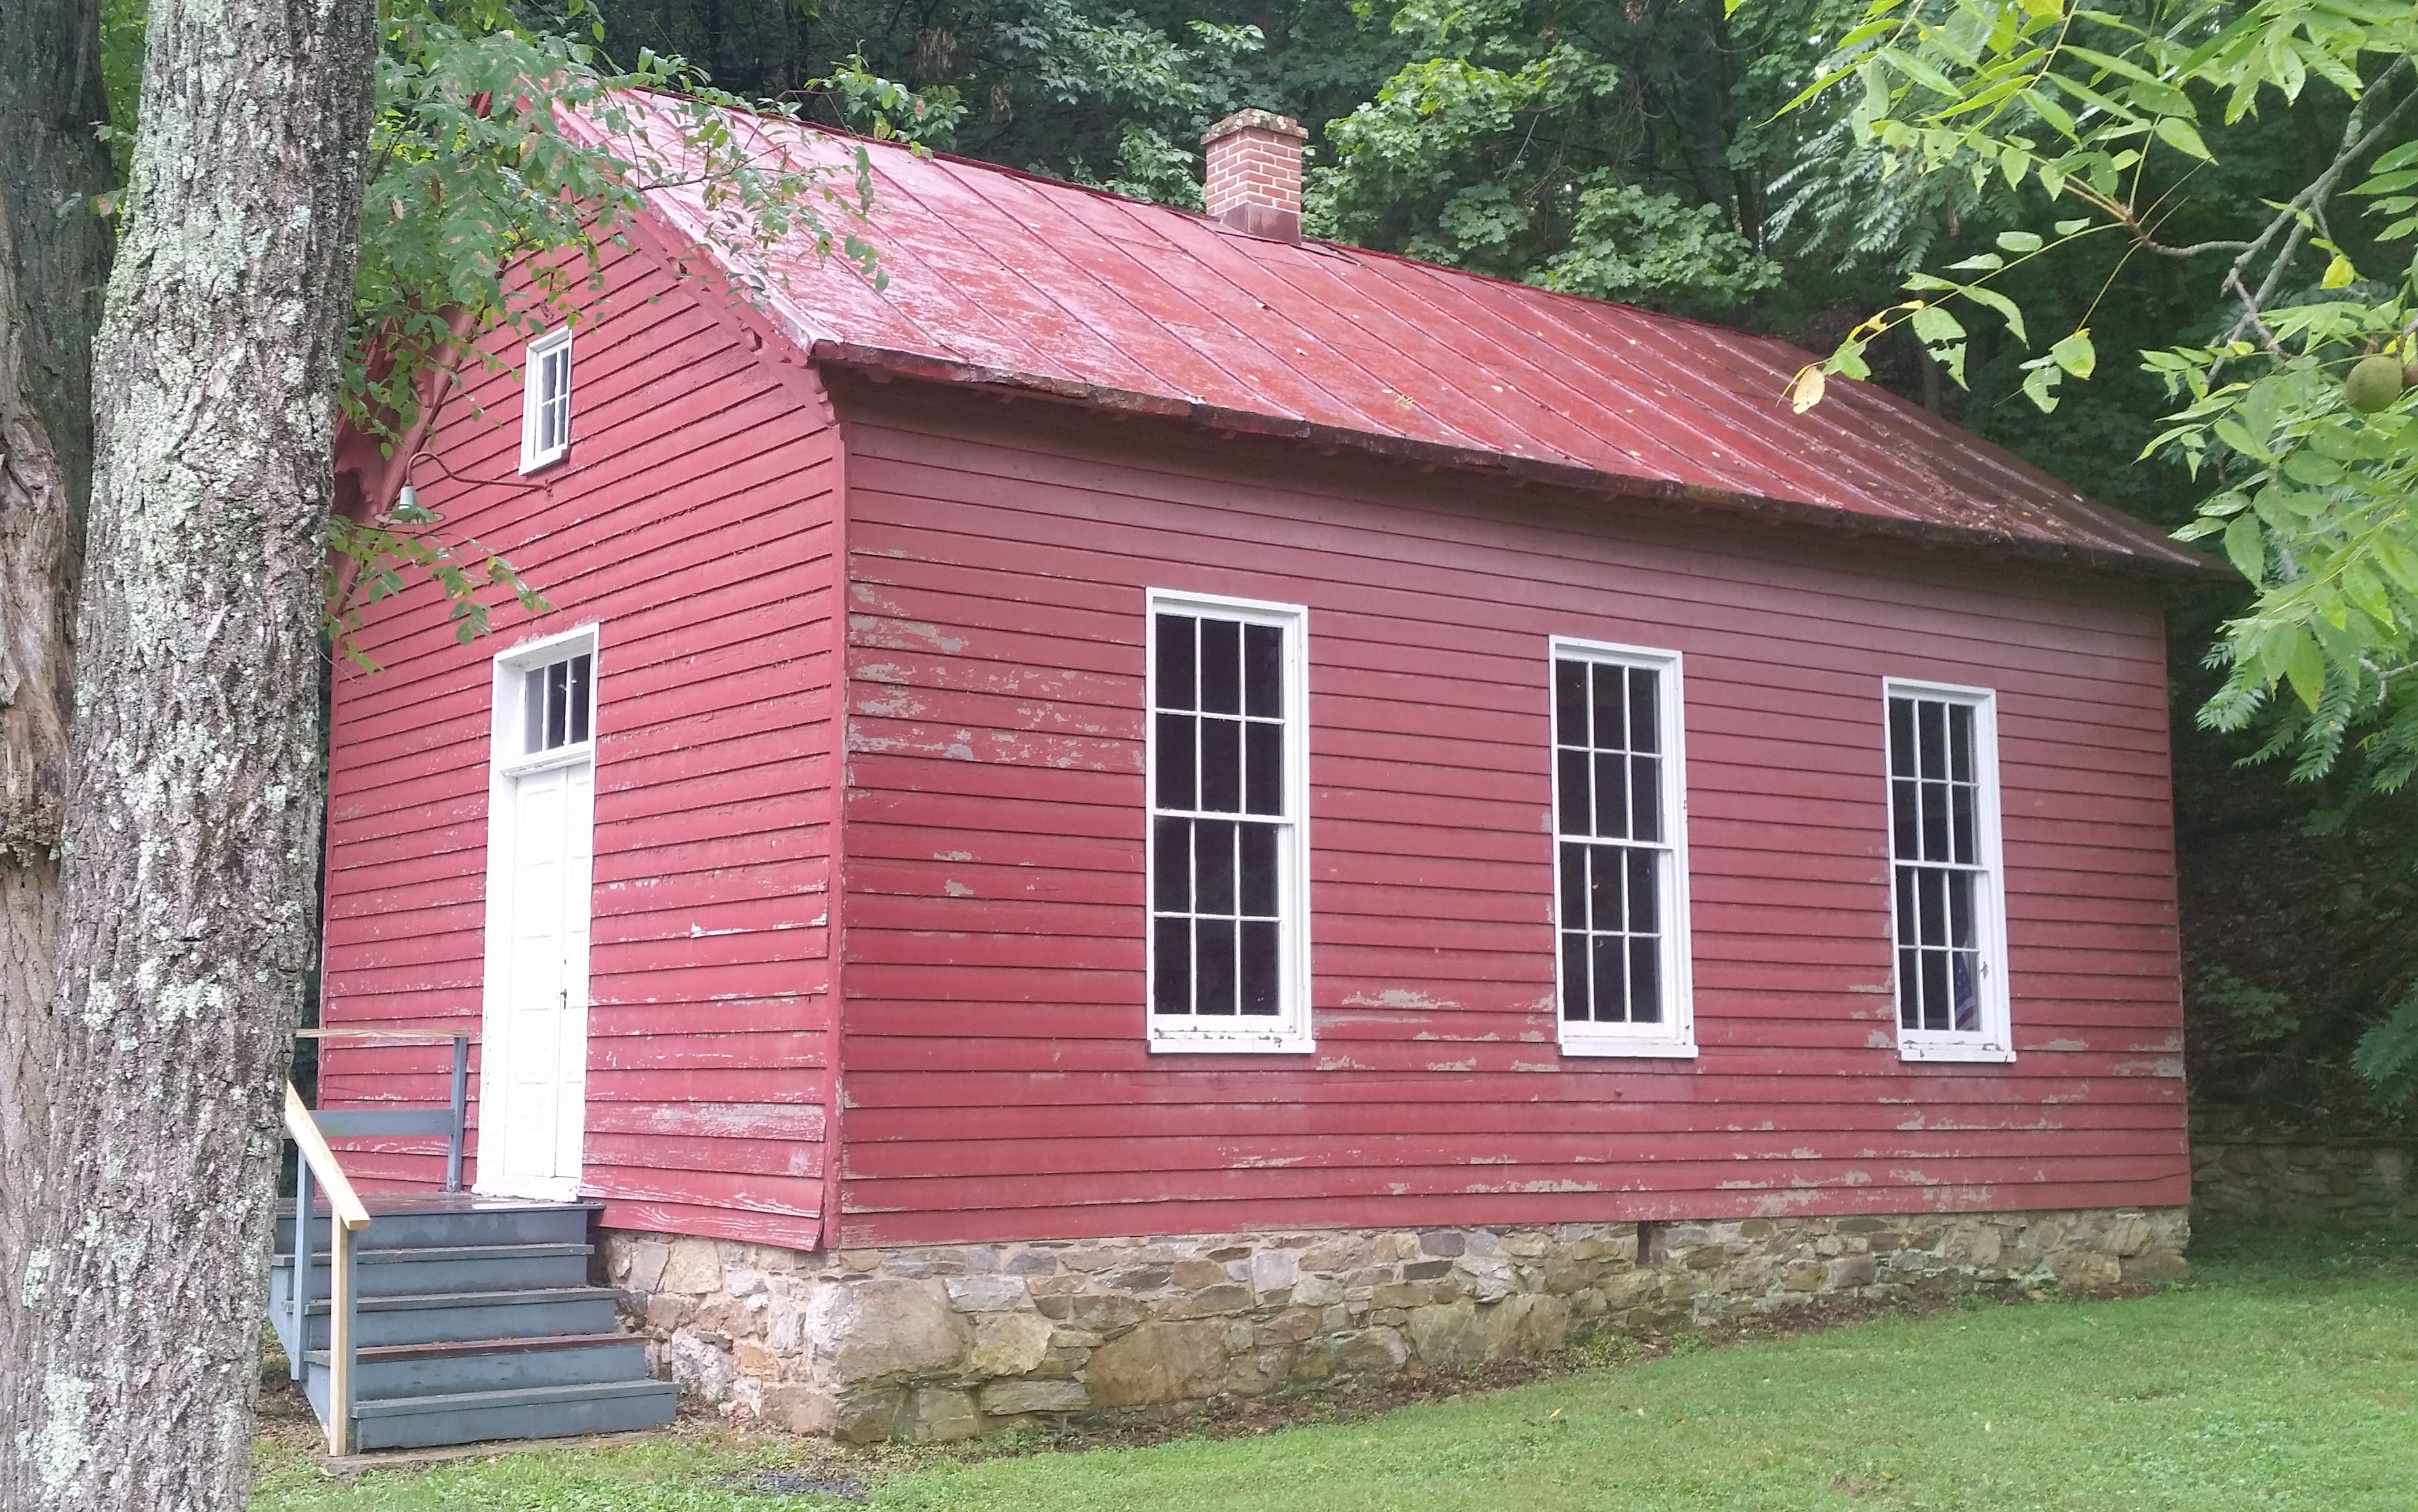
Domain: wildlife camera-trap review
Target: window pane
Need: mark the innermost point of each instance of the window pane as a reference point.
(1263, 670)
(1214, 963)
(1604, 905)
(1172, 982)
(1960, 909)
(1905, 842)
(1175, 661)
(1574, 886)
(1645, 798)
(557, 682)
(1611, 972)
(1935, 989)
(1175, 756)
(1909, 988)
(1611, 796)
(1959, 826)
(1264, 768)
(1931, 908)
(1221, 766)
(1222, 666)
(1577, 816)
(1570, 703)
(1260, 994)
(1212, 867)
(533, 712)
(1968, 998)
(1959, 741)
(1574, 975)
(1260, 870)
(1645, 892)
(1611, 708)
(1931, 739)
(1901, 737)
(1171, 888)
(1645, 723)
(1644, 982)
(1934, 821)
(579, 667)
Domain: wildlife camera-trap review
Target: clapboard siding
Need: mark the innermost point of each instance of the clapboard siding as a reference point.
(694, 524)
(999, 1084)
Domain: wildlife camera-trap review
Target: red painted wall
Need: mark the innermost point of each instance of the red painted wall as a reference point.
(694, 523)
(998, 1081)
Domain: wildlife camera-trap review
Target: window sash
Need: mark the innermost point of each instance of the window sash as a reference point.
(1227, 887)
(1620, 913)
(545, 399)
(1947, 921)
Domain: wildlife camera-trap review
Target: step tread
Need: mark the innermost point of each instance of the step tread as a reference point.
(421, 1301)
(481, 1346)
(515, 1396)
(368, 1256)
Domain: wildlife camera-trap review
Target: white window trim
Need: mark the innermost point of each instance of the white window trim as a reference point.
(507, 739)
(1293, 1033)
(1994, 1042)
(1676, 1037)
(539, 349)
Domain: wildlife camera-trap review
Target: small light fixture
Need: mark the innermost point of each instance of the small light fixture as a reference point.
(408, 500)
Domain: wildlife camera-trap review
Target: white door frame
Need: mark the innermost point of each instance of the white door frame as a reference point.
(508, 763)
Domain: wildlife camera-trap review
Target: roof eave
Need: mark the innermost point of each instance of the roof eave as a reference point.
(2183, 564)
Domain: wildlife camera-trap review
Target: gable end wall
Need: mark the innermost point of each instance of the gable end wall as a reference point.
(693, 523)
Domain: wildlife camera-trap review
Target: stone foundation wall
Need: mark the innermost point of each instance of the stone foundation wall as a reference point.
(2243, 1173)
(947, 1342)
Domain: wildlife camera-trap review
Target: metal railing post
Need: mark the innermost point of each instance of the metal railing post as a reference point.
(461, 1112)
(300, 1290)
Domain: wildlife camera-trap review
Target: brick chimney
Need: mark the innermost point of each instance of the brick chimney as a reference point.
(1253, 181)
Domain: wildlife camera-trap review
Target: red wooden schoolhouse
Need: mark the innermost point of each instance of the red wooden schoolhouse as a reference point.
(1138, 725)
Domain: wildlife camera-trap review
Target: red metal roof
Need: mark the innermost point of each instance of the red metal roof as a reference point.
(999, 277)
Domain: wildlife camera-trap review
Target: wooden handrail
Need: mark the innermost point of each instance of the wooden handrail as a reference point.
(350, 1216)
(426, 1036)
(343, 1201)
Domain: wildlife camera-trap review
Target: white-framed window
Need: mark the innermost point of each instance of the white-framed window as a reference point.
(545, 399)
(1947, 899)
(1229, 846)
(1620, 851)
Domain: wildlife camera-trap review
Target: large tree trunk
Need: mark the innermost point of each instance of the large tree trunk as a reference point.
(192, 822)
(51, 268)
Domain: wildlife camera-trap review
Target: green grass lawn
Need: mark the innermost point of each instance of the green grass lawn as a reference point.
(2284, 1376)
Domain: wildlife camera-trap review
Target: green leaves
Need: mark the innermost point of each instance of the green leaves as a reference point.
(2075, 355)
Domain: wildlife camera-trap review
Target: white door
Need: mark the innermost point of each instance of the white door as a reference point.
(533, 1072)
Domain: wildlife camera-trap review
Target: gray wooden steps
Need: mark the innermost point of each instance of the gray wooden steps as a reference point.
(472, 1321)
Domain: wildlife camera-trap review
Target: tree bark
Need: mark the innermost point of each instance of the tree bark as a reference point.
(191, 831)
(51, 269)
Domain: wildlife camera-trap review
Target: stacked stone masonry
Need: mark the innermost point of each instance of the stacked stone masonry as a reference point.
(947, 1342)
(2245, 1174)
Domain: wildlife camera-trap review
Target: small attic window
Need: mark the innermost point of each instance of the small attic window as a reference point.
(545, 401)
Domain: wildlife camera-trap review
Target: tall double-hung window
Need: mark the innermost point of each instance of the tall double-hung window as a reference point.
(1947, 908)
(1620, 848)
(1229, 849)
